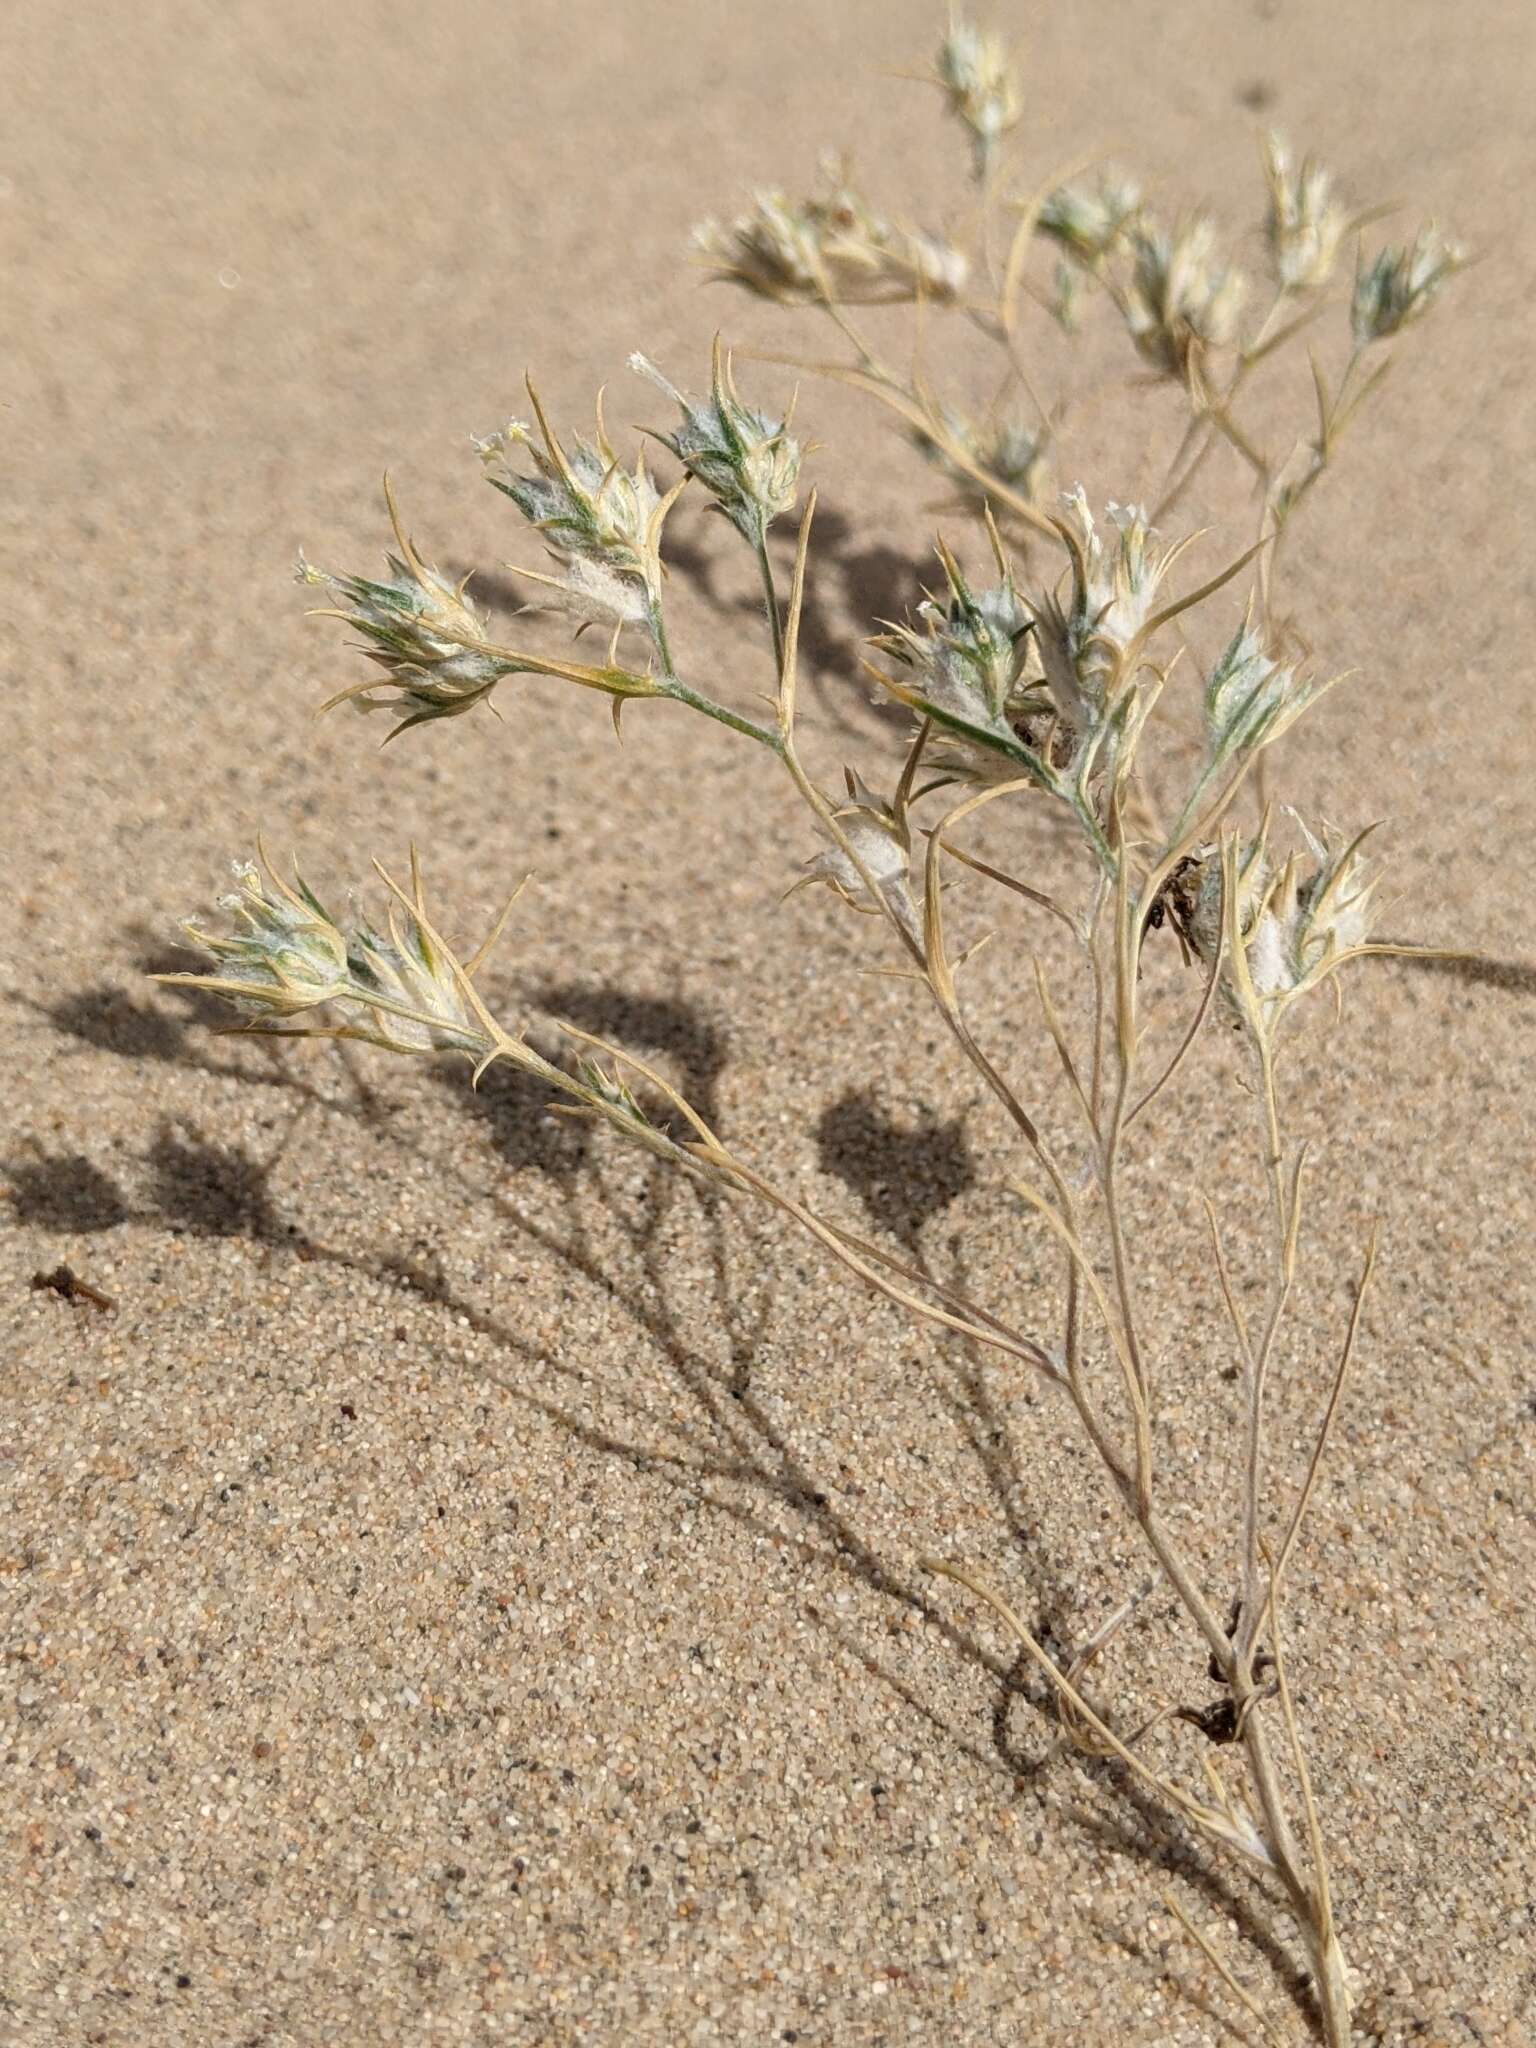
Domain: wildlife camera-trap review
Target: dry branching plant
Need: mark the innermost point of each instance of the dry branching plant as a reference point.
(1032, 693)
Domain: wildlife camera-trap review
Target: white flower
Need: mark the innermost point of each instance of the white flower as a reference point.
(882, 842)
(979, 87)
(1181, 301)
(1091, 222)
(1084, 645)
(601, 522)
(1297, 922)
(285, 955)
(1305, 224)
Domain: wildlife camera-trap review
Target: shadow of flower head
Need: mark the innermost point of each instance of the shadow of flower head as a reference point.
(64, 1192)
(904, 1174)
(212, 1190)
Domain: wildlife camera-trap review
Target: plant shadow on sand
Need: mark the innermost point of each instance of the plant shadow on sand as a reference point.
(592, 1227)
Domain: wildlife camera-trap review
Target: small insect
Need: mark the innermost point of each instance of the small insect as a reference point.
(1177, 899)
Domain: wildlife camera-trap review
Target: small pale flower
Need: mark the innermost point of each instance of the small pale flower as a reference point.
(1400, 284)
(829, 247)
(1297, 922)
(426, 633)
(285, 954)
(968, 663)
(407, 991)
(1091, 222)
(979, 87)
(749, 463)
(1305, 225)
(1181, 302)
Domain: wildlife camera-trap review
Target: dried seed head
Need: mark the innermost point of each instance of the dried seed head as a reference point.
(749, 463)
(830, 246)
(601, 522)
(1297, 922)
(1400, 284)
(979, 87)
(1005, 449)
(1305, 225)
(882, 841)
(1181, 302)
(1091, 222)
(425, 633)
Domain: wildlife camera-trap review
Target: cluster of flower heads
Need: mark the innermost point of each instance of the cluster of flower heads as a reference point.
(1039, 685)
(426, 633)
(831, 248)
(286, 955)
(600, 521)
(402, 988)
(980, 91)
(1281, 927)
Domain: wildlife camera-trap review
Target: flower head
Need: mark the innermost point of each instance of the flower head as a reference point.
(401, 988)
(1005, 449)
(1181, 302)
(830, 246)
(749, 463)
(601, 522)
(1305, 224)
(1295, 922)
(1400, 285)
(1251, 699)
(967, 664)
(979, 87)
(1090, 222)
(425, 633)
(881, 842)
(1086, 643)
(284, 954)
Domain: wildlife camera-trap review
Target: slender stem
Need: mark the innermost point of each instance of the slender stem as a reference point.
(770, 598)
(1283, 1219)
(670, 686)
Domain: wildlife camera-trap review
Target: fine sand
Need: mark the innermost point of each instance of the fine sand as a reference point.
(465, 1588)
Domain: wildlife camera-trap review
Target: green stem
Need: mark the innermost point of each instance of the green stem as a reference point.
(770, 599)
(658, 632)
(669, 686)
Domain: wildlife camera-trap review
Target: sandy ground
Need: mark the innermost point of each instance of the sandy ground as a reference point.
(465, 1589)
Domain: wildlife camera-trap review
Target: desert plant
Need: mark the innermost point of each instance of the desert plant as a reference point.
(1041, 689)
